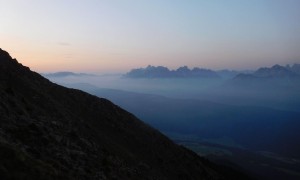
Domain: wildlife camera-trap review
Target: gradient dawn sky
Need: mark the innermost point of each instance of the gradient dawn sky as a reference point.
(117, 35)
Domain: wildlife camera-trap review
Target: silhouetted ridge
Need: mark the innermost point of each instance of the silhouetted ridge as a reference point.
(6, 58)
(275, 71)
(164, 72)
(51, 132)
(267, 75)
(4, 55)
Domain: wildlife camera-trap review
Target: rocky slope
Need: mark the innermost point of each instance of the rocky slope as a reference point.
(51, 132)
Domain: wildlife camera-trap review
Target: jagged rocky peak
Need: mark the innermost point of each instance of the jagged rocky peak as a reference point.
(275, 71)
(164, 72)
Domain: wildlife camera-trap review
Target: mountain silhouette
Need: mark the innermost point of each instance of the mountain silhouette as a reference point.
(275, 71)
(51, 132)
(164, 72)
(65, 74)
(267, 78)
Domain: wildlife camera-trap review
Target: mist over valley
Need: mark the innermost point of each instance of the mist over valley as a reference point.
(253, 114)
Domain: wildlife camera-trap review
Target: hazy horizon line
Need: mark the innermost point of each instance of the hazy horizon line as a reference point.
(171, 69)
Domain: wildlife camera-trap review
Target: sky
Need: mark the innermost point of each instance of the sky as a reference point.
(117, 35)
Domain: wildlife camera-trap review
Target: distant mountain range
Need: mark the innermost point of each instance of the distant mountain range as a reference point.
(164, 72)
(275, 71)
(65, 74)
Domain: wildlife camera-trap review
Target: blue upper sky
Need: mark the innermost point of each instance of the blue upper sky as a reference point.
(117, 35)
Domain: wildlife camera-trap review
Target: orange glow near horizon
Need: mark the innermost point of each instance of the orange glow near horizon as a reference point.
(53, 58)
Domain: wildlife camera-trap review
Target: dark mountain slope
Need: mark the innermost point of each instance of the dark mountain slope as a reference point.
(51, 132)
